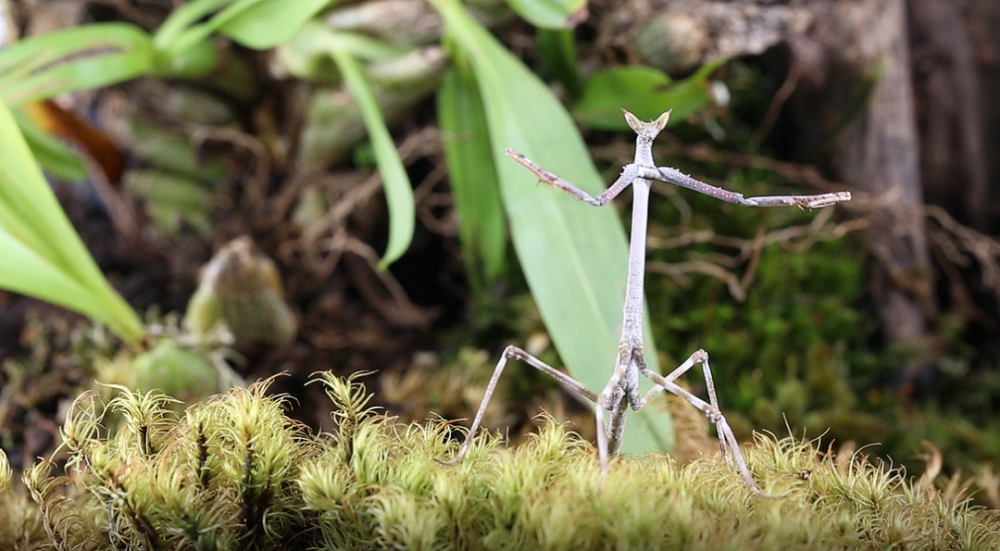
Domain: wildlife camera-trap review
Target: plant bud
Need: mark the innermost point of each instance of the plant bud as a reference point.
(242, 288)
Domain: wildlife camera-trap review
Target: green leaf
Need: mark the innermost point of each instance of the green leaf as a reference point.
(574, 256)
(550, 14)
(558, 49)
(26, 272)
(257, 24)
(54, 156)
(270, 23)
(187, 15)
(88, 57)
(43, 255)
(74, 59)
(307, 55)
(645, 91)
(398, 190)
(472, 174)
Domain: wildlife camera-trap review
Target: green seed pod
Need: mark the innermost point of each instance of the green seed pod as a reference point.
(242, 288)
(176, 371)
(673, 42)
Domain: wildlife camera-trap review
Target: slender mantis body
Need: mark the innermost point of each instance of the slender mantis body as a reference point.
(622, 390)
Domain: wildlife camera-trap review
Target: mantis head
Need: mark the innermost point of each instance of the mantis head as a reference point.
(647, 129)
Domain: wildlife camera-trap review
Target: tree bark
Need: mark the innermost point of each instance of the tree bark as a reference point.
(949, 111)
(856, 92)
(981, 19)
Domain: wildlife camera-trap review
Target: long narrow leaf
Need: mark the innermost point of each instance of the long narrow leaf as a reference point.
(29, 56)
(74, 59)
(258, 24)
(54, 156)
(84, 74)
(24, 271)
(31, 216)
(472, 174)
(644, 91)
(181, 19)
(559, 60)
(550, 14)
(574, 256)
(398, 190)
(315, 42)
(270, 23)
(200, 32)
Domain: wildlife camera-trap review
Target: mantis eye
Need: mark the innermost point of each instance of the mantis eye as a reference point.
(633, 122)
(661, 122)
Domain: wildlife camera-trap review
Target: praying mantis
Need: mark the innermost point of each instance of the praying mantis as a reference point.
(622, 390)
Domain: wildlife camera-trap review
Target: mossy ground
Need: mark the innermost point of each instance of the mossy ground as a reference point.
(235, 473)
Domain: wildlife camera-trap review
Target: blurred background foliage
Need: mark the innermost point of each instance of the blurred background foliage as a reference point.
(191, 127)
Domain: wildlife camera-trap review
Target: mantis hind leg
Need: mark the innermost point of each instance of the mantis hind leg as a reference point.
(727, 440)
(513, 352)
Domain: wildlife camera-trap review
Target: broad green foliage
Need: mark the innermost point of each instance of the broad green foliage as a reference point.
(100, 55)
(312, 46)
(644, 91)
(472, 175)
(42, 255)
(237, 473)
(574, 256)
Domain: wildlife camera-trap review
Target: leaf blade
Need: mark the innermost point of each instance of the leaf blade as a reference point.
(550, 14)
(645, 91)
(398, 190)
(271, 23)
(31, 219)
(74, 59)
(24, 271)
(256, 24)
(472, 173)
(574, 256)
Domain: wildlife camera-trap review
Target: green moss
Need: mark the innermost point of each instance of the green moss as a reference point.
(235, 473)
